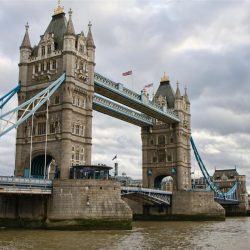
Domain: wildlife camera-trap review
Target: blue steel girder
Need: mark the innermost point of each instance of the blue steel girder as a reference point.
(28, 108)
(4, 99)
(116, 110)
(229, 195)
(118, 93)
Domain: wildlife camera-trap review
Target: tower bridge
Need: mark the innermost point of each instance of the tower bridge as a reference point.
(59, 91)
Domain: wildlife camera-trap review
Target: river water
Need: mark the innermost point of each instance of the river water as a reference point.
(232, 234)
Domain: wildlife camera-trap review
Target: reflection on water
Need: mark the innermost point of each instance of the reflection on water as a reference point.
(232, 234)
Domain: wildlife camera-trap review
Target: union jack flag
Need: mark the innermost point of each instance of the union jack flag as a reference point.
(127, 73)
(148, 85)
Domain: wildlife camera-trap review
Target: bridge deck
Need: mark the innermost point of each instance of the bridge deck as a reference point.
(113, 109)
(118, 93)
(20, 185)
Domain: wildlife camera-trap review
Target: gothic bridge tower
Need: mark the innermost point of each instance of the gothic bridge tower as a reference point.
(69, 123)
(166, 146)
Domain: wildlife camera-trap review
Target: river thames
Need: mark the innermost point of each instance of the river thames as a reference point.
(233, 234)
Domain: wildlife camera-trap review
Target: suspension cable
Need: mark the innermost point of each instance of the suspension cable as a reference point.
(31, 142)
(46, 140)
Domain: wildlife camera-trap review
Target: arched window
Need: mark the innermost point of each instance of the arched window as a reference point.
(77, 129)
(49, 49)
(162, 156)
(161, 140)
(43, 50)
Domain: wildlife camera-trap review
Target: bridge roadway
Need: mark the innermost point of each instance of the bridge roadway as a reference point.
(32, 186)
(117, 92)
(20, 185)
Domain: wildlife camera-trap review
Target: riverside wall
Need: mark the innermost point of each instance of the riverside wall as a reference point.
(185, 205)
(73, 204)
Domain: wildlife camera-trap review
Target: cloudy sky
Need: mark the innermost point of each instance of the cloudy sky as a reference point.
(205, 45)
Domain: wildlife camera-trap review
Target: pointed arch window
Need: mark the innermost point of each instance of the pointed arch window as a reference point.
(43, 50)
(49, 49)
(48, 65)
(54, 64)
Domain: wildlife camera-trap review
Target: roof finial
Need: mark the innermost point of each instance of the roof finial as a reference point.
(27, 26)
(90, 24)
(70, 12)
(165, 78)
(59, 8)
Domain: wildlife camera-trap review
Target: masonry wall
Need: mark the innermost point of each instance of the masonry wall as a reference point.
(74, 204)
(196, 204)
(87, 199)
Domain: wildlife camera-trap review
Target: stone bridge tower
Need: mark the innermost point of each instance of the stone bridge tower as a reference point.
(69, 123)
(166, 146)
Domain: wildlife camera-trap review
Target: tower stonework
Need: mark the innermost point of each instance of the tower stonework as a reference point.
(69, 122)
(166, 146)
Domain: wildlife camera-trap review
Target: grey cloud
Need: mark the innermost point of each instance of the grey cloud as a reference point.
(146, 36)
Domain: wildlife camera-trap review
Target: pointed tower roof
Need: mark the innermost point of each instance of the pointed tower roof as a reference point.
(177, 93)
(58, 26)
(70, 27)
(90, 40)
(165, 90)
(26, 39)
(186, 96)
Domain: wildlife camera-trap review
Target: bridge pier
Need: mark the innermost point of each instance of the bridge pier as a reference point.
(73, 204)
(185, 205)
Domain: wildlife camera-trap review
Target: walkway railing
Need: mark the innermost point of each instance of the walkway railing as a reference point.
(157, 196)
(118, 88)
(25, 185)
(138, 118)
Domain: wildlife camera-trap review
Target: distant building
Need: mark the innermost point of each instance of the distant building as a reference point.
(199, 183)
(225, 179)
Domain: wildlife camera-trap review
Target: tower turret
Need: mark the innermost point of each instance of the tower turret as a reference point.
(25, 48)
(177, 101)
(25, 53)
(69, 48)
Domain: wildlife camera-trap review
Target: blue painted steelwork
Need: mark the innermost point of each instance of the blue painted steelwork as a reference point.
(29, 186)
(117, 88)
(155, 196)
(30, 107)
(230, 195)
(25, 182)
(124, 113)
(9, 95)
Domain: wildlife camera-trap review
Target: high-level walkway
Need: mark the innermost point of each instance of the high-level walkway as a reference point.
(117, 92)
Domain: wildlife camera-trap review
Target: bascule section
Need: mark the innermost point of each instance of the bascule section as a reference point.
(60, 132)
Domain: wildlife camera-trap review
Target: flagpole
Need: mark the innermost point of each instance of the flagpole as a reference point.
(132, 81)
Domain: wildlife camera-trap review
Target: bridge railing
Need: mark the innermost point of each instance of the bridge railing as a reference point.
(25, 182)
(121, 109)
(138, 98)
(145, 190)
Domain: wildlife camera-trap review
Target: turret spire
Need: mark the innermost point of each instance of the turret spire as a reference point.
(26, 39)
(70, 27)
(186, 96)
(177, 93)
(90, 40)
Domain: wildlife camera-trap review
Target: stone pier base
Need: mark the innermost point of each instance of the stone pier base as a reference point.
(73, 205)
(196, 205)
(185, 205)
(88, 204)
